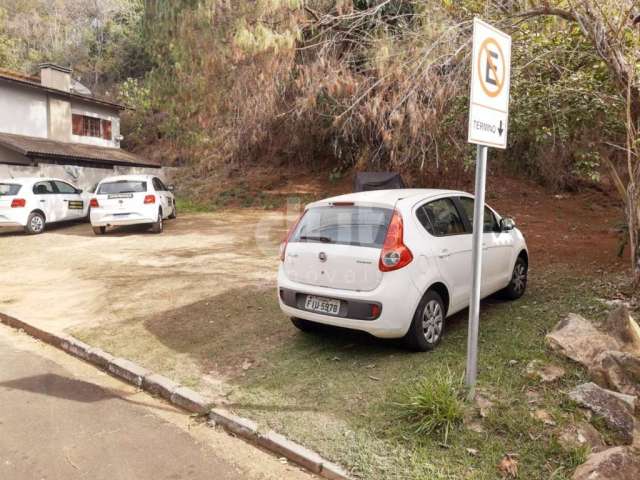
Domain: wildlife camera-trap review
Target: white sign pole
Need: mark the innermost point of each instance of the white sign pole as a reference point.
(488, 123)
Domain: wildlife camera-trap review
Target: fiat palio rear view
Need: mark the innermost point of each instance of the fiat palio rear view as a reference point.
(393, 263)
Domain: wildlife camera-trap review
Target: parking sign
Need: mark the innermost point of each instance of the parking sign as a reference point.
(490, 82)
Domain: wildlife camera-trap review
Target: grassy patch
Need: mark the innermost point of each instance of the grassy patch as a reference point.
(185, 205)
(337, 392)
(434, 405)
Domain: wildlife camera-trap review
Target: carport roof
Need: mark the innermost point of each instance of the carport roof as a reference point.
(45, 149)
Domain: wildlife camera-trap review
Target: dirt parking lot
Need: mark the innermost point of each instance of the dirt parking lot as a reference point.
(70, 278)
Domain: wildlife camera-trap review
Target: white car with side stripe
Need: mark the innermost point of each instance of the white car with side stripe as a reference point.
(34, 202)
(131, 200)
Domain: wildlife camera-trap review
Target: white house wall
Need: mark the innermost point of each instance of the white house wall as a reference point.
(23, 111)
(102, 113)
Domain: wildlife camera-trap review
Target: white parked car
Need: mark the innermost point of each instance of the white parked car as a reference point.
(131, 200)
(33, 202)
(394, 263)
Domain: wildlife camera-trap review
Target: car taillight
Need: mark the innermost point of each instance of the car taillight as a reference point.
(150, 199)
(94, 203)
(394, 254)
(18, 203)
(285, 240)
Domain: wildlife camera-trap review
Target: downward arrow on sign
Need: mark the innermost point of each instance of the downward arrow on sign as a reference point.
(500, 129)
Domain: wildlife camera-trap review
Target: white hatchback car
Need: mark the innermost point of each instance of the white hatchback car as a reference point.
(33, 202)
(394, 263)
(131, 200)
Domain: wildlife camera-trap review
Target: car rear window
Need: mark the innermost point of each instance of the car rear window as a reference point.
(122, 186)
(9, 189)
(344, 225)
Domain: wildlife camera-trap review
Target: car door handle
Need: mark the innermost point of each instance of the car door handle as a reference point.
(42, 201)
(444, 253)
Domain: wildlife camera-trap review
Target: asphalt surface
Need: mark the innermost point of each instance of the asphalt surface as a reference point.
(63, 419)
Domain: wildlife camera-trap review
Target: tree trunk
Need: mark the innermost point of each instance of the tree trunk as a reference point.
(633, 220)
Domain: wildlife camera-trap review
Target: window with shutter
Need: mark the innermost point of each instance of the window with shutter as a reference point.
(77, 124)
(106, 129)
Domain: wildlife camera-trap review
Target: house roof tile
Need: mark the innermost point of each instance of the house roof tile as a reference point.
(34, 147)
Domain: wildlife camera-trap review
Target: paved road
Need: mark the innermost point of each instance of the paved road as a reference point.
(63, 419)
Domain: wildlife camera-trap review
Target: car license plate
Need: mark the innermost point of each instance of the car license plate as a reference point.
(119, 195)
(322, 305)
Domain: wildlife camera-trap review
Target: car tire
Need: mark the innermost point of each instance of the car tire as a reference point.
(99, 230)
(518, 283)
(427, 325)
(157, 226)
(35, 223)
(303, 325)
(174, 214)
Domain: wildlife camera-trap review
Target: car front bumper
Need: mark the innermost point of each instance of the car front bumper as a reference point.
(396, 295)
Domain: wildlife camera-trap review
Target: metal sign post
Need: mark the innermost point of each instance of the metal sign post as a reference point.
(488, 122)
(476, 260)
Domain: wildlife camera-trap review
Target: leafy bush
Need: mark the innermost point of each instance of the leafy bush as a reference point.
(433, 405)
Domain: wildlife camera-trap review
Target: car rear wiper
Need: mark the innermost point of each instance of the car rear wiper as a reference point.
(317, 238)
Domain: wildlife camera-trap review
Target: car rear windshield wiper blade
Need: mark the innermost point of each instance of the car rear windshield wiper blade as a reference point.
(316, 238)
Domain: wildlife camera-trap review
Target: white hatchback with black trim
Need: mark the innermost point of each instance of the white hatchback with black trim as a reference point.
(131, 200)
(34, 202)
(394, 263)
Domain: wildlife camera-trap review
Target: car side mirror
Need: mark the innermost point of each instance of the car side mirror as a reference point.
(507, 224)
(171, 188)
(79, 191)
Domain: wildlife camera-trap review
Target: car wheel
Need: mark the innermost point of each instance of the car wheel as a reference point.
(174, 214)
(35, 223)
(518, 283)
(304, 325)
(99, 230)
(427, 326)
(157, 226)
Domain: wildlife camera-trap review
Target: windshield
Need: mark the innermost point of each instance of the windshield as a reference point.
(344, 225)
(122, 186)
(9, 189)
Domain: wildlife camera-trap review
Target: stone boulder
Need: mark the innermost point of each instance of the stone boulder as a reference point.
(580, 435)
(615, 408)
(577, 338)
(621, 326)
(617, 370)
(618, 463)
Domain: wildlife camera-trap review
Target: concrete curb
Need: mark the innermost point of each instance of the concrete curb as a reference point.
(278, 444)
(184, 398)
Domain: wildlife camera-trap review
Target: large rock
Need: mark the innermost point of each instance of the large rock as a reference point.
(615, 408)
(618, 371)
(621, 326)
(577, 338)
(618, 463)
(580, 435)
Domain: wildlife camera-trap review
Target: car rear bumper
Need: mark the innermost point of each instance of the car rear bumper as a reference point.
(396, 295)
(100, 219)
(16, 218)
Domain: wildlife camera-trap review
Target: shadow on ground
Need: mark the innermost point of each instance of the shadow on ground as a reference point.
(54, 385)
